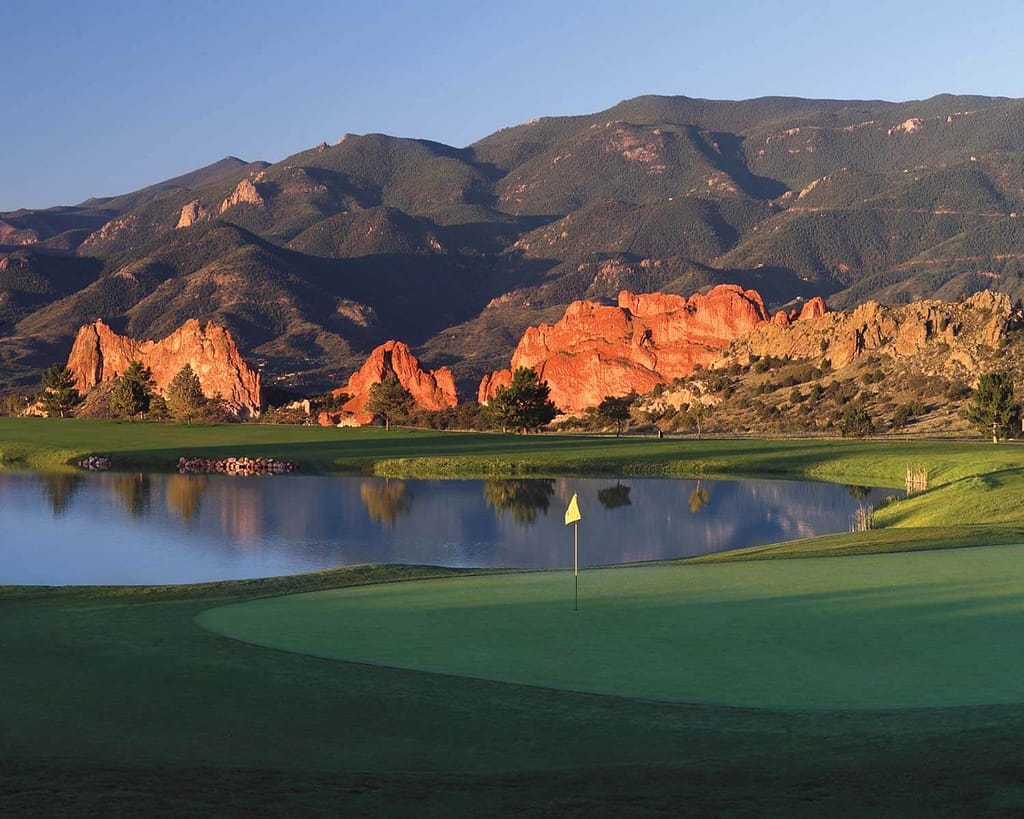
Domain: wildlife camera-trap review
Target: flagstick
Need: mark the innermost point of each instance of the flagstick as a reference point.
(576, 562)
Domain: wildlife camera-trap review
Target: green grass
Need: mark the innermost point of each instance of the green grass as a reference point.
(34, 443)
(883, 631)
(116, 702)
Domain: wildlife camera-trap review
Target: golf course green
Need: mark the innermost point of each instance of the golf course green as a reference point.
(878, 631)
(861, 674)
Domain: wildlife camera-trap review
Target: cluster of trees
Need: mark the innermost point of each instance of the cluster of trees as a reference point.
(132, 396)
(523, 406)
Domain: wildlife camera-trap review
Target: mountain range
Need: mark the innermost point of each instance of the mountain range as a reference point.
(312, 261)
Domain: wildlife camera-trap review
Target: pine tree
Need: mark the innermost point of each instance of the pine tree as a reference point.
(58, 395)
(524, 405)
(184, 396)
(993, 408)
(132, 392)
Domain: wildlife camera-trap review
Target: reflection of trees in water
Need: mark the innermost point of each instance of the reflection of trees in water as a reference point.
(523, 497)
(612, 497)
(59, 488)
(858, 492)
(185, 495)
(385, 502)
(134, 491)
(698, 499)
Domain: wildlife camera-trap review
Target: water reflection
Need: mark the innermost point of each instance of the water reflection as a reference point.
(134, 491)
(185, 495)
(387, 502)
(698, 499)
(59, 488)
(151, 528)
(524, 498)
(612, 497)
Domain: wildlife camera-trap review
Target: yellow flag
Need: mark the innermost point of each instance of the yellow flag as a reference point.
(572, 514)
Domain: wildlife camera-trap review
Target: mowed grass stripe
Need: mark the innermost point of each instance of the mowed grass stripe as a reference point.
(879, 631)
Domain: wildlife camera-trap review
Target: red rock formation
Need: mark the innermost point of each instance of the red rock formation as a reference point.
(433, 390)
(190, 214)
(245, 192)
(813, 309)
(648, 339)
(100, 354)
(489, 384)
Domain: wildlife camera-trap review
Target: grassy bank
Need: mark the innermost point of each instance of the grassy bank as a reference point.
(32, 443)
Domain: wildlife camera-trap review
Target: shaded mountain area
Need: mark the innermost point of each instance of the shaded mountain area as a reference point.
(313, 261)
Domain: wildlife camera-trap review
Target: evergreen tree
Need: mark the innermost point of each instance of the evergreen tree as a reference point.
(58, 395)
(390, 401)
(132, 392)
(993, 408)
(524, 405)
(184, 396)
(857, 422)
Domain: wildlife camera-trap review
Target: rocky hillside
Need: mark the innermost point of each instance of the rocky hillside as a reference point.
(908, 368)
(313, 261)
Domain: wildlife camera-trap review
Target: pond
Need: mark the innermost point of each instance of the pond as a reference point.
(138, 528)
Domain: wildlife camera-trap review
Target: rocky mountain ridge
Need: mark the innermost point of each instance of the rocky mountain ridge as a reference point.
(313, 261)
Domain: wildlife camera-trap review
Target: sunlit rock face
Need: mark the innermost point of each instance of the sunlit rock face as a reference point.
(430, 390)
(647, 339)
(958, 332)
(99, 354)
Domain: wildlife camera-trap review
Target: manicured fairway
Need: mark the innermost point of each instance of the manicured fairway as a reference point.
(882, 631)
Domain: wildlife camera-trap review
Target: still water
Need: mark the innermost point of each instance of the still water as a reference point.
(137, 528)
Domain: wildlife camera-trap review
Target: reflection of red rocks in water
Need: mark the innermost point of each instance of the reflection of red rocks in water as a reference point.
(185, 495)
(241, 514)
(647, 339)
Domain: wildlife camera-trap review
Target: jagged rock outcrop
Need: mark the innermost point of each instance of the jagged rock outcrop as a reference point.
(99, 354)
(647, 339)
(966, 328)
(434, 390)
(245, 192)
(190, 214)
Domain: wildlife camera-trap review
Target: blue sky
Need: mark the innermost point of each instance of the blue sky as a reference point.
(106, 97)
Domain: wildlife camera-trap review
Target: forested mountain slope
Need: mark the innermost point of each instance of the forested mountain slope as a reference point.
(313, 260)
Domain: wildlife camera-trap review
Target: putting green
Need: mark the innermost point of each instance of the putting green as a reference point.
(881, 631)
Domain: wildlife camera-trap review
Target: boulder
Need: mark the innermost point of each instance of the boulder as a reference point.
(434, 390)
(99, 354)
